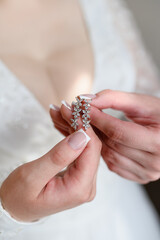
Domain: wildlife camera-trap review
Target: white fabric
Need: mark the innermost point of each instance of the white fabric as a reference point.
(121, 210)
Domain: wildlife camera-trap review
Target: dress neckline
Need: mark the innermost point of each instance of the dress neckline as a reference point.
(86, 25)
(18, 81)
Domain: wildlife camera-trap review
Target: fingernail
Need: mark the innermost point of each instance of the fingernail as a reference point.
(54, 107)
(66, 104)
(88, 96)
(78, 139)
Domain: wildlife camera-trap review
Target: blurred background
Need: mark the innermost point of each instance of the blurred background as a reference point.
(147, 16)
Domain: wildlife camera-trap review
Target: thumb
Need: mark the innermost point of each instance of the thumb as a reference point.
(42, 170)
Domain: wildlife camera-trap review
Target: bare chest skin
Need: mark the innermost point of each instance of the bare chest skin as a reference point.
(46, 45)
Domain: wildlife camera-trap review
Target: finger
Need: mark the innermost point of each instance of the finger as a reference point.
(93, 189)
(79, 181)
(42, 170)
(86, 164)
(98, 132)
(145, 159)
(128, 165)
(61, 130)
(67, 115)
(127, 133)
(90, 150)
(63, 127)
(121, 161)
(132, 153)
(60, 124)
(124, 174)
(57, 118)
(130, 103)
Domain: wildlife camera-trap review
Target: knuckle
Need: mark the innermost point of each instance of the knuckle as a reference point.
(112, 158)
(155, 147)
(144, 182)
(155, 177)
(150, 176)
(105, 92)
(21, 173)
(113, 146)
(107, 152)
(99, 145)
(109, 142)
(92, 196)
(24, 176)
(116, 134)
(111, 166)
(58, 157)
(155, 165)
(156, 143)
(83, 198)
(84, 194)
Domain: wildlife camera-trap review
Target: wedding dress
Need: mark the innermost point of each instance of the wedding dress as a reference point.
(121, 209)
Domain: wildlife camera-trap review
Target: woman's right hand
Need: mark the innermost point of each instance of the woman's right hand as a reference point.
(40, 188)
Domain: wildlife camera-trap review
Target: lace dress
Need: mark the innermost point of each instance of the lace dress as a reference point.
(121, 210)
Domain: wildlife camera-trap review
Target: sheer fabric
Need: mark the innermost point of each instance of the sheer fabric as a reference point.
(121, 209)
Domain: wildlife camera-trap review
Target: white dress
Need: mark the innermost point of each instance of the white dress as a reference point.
(121, 209)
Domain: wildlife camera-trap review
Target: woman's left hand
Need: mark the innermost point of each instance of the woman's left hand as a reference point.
(130, 149)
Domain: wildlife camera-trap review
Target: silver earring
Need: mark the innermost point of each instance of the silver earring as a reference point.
(76, 113)
(82, 105)
(86, 117)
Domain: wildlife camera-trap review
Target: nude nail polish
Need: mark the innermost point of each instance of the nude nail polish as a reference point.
(78, 140)
(54, 107)
(66, 104)
(87, 96)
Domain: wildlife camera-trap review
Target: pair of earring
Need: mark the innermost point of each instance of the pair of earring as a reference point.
(81, 108)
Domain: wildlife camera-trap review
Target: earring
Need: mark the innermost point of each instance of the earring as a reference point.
(82, 105)
(76, 113)
(86, 117)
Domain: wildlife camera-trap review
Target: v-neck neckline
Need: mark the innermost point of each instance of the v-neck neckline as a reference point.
(4, 66)
(86, 25)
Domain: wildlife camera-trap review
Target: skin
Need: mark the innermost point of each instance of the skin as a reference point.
(40, 188)
(131, 148)
(57, 54)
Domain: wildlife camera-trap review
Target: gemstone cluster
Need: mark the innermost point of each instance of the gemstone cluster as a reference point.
(81, 109)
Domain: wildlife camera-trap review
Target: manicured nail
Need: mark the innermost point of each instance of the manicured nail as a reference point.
(66, 104)
(78, 139)
(87, 96)
(54, 107)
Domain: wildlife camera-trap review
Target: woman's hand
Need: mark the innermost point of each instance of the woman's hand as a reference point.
(130, 149)
(38, 188)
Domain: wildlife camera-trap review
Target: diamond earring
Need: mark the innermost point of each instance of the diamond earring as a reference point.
(76, 113)
(86, 117)
(82, 105)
